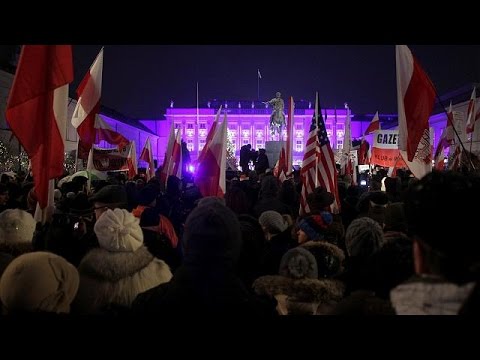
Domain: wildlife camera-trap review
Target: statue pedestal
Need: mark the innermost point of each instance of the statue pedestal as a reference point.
(272, 150)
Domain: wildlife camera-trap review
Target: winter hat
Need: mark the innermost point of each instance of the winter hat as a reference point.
(39, 281)
(364, 237)
(298, 263)
(119, 230)
(114, 195)
(319, 199)
(315, 226)
(212, 231)
(273, 222)
(16, 227)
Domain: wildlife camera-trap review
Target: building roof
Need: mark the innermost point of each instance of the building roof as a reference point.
(104, 110)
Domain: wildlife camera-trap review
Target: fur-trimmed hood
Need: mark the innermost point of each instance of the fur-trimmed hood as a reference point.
(304, 290)
(116, 278)
(104, 265)
(324, 252)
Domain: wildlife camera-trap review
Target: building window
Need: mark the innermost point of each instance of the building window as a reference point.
(201, 144)
(190, 144)
(299, 145)
(245, 141)
(178, 125)
(203, 126)
(189, 126)
(298, 126)
(339, 144)
(260, 144)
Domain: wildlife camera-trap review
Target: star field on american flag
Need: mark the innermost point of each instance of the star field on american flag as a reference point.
(322, 130)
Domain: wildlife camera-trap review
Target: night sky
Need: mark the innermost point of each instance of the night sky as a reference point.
(140, 80)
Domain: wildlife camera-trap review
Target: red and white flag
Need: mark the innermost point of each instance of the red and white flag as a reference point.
(147, 156)
(172, 163)
(439, 152)
(132, 161)
(210, 134)
(449, 133)
(280, 170)
(104, 132)
(37, 110)
(374, 125)
(88, 104)
(471, 117)
(416, 97)
(210, 177)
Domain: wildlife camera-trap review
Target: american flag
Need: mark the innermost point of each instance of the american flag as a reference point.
(318, 167)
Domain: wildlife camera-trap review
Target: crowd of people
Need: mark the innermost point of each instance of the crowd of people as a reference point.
(136, 248)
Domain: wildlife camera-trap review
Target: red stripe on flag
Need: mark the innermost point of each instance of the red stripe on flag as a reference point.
(418, 101)
(30, 110)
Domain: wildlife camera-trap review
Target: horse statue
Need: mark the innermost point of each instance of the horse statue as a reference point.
(277, 118)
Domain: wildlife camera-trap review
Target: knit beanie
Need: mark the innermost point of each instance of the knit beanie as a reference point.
(273, 222)
(118, 230)
(315, 226)
(364, 237)
(212, 232)
(16, 227)
(298, 263)
(39, 281)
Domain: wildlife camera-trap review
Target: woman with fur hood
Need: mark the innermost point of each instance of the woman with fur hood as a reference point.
(114, 274)
(298, 288)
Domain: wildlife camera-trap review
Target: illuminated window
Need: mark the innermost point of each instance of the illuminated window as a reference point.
(260, 144)
(298, 145)
(339, 144)
(190, 144)
(201, 144)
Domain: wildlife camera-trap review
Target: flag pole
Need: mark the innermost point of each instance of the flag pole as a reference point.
(196, 129)
(316, 151)
(258, 84)
(456, 133)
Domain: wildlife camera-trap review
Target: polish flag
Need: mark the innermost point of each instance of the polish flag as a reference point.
(88, 104)
(175, 163)
(374, 125)
(416, 97)
(37, 110)
(209, 136)
(168, 154)
(132, 161)
(449, 129)
(104, 132)
(280, 170)
(471, 118)
(439, 155)
(172, 163)
(147, 156)
(210, 177)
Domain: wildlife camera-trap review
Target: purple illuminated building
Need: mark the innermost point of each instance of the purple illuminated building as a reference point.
(248, 123)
